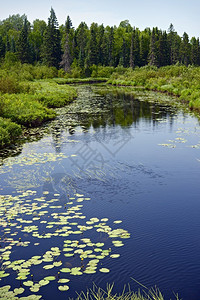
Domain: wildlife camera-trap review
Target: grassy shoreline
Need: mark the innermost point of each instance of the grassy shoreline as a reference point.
(178, 80)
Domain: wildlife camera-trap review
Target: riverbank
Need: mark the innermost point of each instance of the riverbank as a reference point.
(26, 100)
(177, 80)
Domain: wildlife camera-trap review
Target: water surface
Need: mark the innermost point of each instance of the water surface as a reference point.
(109, 161)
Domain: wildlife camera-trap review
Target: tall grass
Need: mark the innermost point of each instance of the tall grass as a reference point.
(99, 294)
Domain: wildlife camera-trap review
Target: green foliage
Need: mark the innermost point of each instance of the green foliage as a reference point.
(8, 132)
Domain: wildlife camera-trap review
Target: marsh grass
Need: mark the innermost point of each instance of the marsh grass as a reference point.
(97, 293)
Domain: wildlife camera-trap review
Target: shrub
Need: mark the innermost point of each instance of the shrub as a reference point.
(9, 131)
(9, 85)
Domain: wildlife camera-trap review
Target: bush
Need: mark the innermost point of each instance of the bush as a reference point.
(9, 85)
(9, 131)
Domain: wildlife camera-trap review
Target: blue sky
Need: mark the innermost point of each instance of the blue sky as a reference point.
(184, 15)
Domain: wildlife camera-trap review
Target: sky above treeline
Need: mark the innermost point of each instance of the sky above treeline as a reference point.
(184, 15)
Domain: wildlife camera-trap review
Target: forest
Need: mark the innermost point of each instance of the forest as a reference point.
(80, 48)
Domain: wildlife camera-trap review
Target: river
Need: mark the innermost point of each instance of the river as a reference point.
(109, 192)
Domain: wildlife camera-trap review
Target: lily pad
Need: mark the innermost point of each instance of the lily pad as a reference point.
(104, 270)
(63, 288)
(18, 291)
(63, 280)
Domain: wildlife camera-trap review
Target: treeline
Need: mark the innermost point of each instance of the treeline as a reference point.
(66, 47)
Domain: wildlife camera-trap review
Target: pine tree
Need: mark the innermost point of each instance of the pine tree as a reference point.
(144, 47)
(185, 52)
(80, 43)
(154, 52)
(51, 50)
(2, 48)
(174, 45)
(131, 53)
(92, 48)
(68, 24)
(23, 46)
(164, 58)
(100, 45)
(66, 57)
(136, 47)
(110, 46)
(195, 52)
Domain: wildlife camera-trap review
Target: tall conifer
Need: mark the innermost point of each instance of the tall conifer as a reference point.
(51, 52)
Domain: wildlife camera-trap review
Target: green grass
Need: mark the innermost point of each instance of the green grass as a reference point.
(9, 131)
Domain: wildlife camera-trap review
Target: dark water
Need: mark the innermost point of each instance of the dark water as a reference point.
(139, 162)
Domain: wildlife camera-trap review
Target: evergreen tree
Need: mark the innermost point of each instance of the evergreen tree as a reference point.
(164, 58)
(144, 47)
(185, 50)
(51, 49)
(154, 51)
(195, 51)
(2, 48)
(23, 46)
(110, 46)
(174, 45)
(92, 47)
(100, 45)
(80, 43)
(131, 53)
(66, 57)
(136, 47)
(68, 24)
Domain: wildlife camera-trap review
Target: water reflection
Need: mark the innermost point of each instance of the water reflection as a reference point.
(97, 108)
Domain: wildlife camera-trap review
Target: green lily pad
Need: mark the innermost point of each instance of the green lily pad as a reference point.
(34, 289)
(115, 255)
(65, 270)
(63, 288)
(104, 270)
(63, 280)
(18, 291)
(28, 283)
(43, 282)
(50, 278)
(48, 267)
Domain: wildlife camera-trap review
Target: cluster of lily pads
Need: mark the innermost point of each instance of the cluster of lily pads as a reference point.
(27, 221)
(182, 132)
